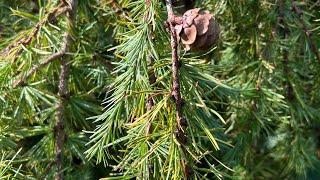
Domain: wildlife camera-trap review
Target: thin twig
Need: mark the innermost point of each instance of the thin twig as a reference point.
(308, 33)
(60, 9)
(150, 100)
(48, 60)
(181, 122)
(63, 99)
(175, 62)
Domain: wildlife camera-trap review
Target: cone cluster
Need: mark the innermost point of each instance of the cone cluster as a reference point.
(197, 29)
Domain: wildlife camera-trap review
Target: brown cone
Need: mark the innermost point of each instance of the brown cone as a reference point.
(189, 16)
(202, 23)
(198, 29)
(189, 35)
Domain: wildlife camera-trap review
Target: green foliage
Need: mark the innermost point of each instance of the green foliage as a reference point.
(251, 103)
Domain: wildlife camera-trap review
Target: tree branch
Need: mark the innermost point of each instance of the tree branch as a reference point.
(50, 59)
(181, 121)
(63, 98)
(175, 62)
(60, 9)
(150, 100)
(308, 33)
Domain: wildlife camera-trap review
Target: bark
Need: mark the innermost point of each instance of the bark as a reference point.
(176, 91)
(63, 99)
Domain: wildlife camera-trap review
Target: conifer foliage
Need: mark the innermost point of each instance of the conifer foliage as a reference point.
(159, 89)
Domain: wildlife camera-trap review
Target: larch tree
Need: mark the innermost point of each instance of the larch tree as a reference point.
(159, 89)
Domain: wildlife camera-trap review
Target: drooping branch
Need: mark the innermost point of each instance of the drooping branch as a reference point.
(176, 89)
(63, 98)
(175, 62)
(308, 33)
(150, 100)
(62, 8)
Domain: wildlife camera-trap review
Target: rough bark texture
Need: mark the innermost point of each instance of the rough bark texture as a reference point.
(59, 127)
(175, 62)
(176, 93)
(63, 98)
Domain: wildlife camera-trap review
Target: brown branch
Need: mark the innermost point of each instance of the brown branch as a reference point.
(150, 100)
(60, 9)
(176, 94)
(48, 60)
(308, 33)
(63, 99)
(175, 62)
(59, 127)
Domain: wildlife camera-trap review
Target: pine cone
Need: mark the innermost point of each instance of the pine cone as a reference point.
(197, 29)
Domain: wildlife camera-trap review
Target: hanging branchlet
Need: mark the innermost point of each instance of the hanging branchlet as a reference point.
(63, 94)
(176, 91)
(150, 100)
(152, 78)
(308, 33)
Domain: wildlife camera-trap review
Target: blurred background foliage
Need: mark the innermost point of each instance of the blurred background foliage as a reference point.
(251, 103)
